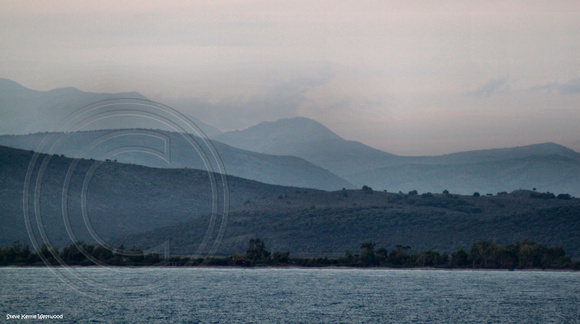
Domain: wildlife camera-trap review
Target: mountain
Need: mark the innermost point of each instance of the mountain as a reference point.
(119, 199)
(44, 111)
(503, 154)
(310, 140)
(330, 223)
(548, 166)
(30, 111)
(554, 173)
(177, 151)
(294, 152)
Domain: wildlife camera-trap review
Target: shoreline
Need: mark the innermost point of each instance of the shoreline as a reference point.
(293, 267)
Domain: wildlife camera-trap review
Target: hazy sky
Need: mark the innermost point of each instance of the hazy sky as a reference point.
(407, 77)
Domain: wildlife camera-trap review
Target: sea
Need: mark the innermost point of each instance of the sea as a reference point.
(286, 295)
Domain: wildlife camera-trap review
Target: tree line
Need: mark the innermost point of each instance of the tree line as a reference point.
(482, 255)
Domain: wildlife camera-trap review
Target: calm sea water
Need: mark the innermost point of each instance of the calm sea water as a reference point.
(290, 295)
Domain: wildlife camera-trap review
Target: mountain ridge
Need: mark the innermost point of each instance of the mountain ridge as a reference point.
(315, 154)
(267, 168)
(24, 106)
(554, 173)
(363, 165)
(314, 143)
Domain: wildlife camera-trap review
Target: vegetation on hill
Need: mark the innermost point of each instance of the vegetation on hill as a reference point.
(141, 208)
(120, 199)
(329, 223)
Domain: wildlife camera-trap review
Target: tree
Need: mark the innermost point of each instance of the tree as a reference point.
(72, 253)
(118, 255)
(367, 256)
(564, 196)
(281, 257)
(484, 254)
(367, 189)
(103, 253)
(399, 256)
(526, 255)
(382, 256)
(460, 258)
(257, 252)
(428, 258)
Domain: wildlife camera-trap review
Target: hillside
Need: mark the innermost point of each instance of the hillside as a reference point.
(330, 223)
(120, 198)
(178, 153)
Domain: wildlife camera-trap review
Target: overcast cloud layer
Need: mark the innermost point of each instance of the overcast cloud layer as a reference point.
(407, 77)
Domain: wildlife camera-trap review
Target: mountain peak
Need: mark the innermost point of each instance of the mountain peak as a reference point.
(297, 129)
(7, 84)
(548, 148)
(267, 135)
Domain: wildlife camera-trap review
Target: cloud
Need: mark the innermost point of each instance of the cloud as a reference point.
(493, 86)
(567, 88)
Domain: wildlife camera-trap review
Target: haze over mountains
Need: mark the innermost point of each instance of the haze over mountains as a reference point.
(298, 152)
(154, 187)
(311, 141)
(178, 153)
(27, 111)
(44, 111)
(547, 166)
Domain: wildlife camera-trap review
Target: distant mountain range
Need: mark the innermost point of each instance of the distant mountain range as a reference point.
(547, 166)
(299, 152)
(554, 173)
(310, 140)
(43, 111)
(273, 169)
(27, 111)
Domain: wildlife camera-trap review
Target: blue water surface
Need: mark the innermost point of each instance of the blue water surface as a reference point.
(232, 295)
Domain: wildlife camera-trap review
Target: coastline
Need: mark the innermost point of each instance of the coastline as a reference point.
(292, 267)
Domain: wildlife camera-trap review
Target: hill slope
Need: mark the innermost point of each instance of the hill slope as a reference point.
(331, 223)
(120, 198)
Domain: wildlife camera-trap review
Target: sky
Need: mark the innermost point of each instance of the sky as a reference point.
(406, 77)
